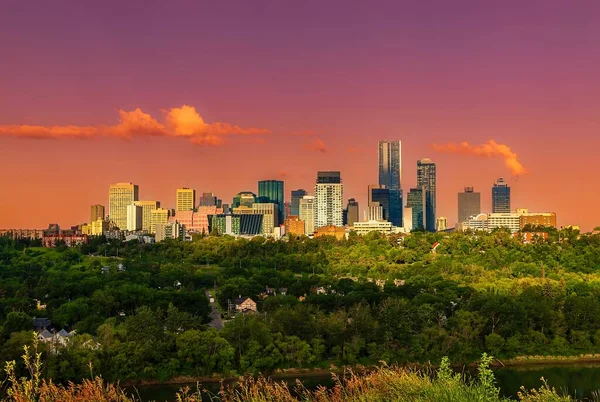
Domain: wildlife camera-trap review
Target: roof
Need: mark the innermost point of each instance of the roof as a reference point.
(45, 334)
(41, 322)
(240, 300)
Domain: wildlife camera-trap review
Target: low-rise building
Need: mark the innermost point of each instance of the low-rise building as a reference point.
(363, 228)
(338, 232)
(294, 226)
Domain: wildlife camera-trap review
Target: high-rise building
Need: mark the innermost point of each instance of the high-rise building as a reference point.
(295, 204)
(500, 197)
(209, 200)
(426, 180)
(352, 212)
(441, 223)
(375, 212)
(119, 196)
(416, 201)
(380, 195)
(407, 219)
(329, 198)
(147, 208)
(390, 176)
(185, 199)
(272, 191)
(307, 213)
(269, 212)
(96, 212)
(243, 198)
(134, 217)
(158, 216)
(469, 204)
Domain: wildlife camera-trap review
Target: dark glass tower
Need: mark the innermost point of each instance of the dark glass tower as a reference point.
(390, 177)
(381, 195)
(416, 201)
(295, 205)
(500, 197)
(426, 180)
(272, 191)
(469, 204)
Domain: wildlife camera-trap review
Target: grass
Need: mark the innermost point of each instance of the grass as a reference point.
(385, 384)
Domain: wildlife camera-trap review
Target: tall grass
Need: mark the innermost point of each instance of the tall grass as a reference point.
(386, 384)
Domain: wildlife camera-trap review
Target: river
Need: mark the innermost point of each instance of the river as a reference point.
(579, 381)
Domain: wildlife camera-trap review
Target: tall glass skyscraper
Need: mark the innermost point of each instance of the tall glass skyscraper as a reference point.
(416, 202)
(390, 176)
(500, 197)
(272, 191)
(426, 179)
(295, 204)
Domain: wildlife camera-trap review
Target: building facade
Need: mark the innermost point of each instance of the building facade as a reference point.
(307, 213)
(469, 204)
(426, 180)
(294, 226)
(329, 196)
(269, 211)
(363, 228)
(121, 195)
(390, 177)
(352, 212)
(416, 202)
(441, 223)
(295, 203)
(510, 221)
(185, 199)
(147, 208)
(96, 212)
(271, 191)
(243, 198)
(500, 197)
(134, 217)
(158, 216)
(547, 219)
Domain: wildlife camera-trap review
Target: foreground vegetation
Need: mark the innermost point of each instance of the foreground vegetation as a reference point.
(148, 320)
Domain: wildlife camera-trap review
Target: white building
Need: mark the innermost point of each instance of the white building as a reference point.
(407, 219)
(329, 195)
(511, 221)
(134, 217)
(475, 222)
(441, 223)
(306, 207)
(362, 228)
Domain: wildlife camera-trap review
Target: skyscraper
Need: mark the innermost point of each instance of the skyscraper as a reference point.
(158, 216)
(500, 197)
(416, 202)
(134, 217)
(119, 196)
(185, 199)
(329, 198)
(426, 180)
(272, 191)
(381, 196)
(96, 212)
(306, 212)
(244, 198)
(209, 200)
(269, 212)
(390, 176)
(147, 208)
(352, 213)
(469, 203)
(296, 196)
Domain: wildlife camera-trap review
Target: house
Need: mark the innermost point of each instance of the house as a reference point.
(40, 324)
(56, 340)
(434, 247)
(245, 305)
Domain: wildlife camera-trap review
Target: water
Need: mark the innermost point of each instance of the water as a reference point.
(579, 381)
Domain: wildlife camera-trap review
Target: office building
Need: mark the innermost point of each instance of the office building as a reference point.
(469, 204)
(426, 180)
(147, 208)
(96, 212)
(295, 204)
(508, 220)
(547, 219)
(243, 198)
(329, 196)
(416, 201)
(307, 213)
(158, 216)
(171, 230)
(271, 191)
(352, 212)
(99, 226)
(331, 230)
(363, 228)
(209, 200)
(390, 177)
(407, 222)
(501, 197)
(294, 226)
(121, 195)
(185, 199)
(269, 212)
(441, 223)
(374, 212)
(134, 217)
(475, 222)
(381, 196)
(236, 225)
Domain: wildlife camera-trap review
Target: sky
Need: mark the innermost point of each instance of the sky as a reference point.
(219, 95)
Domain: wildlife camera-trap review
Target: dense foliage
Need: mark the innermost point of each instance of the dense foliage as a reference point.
(474, 293)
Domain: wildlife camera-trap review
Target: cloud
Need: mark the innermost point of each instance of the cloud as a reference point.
(179, 122)
(317, 146)
(488, 149)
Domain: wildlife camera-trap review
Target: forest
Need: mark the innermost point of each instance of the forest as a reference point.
(140, 311)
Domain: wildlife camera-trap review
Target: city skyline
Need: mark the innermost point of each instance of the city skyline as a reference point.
(277, 97)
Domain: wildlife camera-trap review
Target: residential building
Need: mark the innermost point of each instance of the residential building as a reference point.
(500, 197)
(441, 224)
(134, 217)
(511, 221)
(158, 216)
(416, 200)
(147, 208)
(329, 196)
(171, 230)
(307, 213)
(96, 211)
(469, 204)
(245, 305)
(363, 228)
(295, 204)
(536, 218)
(70, 239)
(352, 212)
(426, 180)
(338, 232)
(119, 196)
(244, 198)
(271, 191)
(185, 199)
(390, 177)
(17, 234)
(270, 216)
(294, 226)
